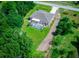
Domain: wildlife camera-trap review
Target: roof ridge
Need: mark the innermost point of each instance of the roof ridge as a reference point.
(46, 17)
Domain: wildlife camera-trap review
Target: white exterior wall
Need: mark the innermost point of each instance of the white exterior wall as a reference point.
(34, 19)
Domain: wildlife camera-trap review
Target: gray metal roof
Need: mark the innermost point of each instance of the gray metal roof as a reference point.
(43, 16)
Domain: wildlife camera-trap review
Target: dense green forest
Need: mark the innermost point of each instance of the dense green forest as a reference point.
(12, 44)
(66, 39)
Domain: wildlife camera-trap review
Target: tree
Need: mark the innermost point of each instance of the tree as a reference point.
(3, 24)
(14, 45)
(76, 2)
(65, 26)
(14, 19)
(10, 12)
(6, 7)
(76, 43)
(62, 47)
(24, 7)
(75, 24)
(15, 11)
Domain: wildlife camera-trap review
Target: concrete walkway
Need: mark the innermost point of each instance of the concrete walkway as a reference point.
(45, 43)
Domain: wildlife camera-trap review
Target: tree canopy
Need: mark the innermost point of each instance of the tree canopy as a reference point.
(65, 26)
(65, 42)
(12, 44)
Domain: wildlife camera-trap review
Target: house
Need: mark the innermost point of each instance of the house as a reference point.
(41, 19)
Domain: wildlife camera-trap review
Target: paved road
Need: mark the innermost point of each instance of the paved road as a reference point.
(45, 43)
(60, 6)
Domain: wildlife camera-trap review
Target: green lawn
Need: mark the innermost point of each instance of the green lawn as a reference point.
(36, 35)
(43, 7)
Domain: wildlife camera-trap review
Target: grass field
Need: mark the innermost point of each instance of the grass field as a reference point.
(73, 15)
(36, 35)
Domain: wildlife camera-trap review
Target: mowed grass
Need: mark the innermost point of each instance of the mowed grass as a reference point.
(36, 35)
(43, 7)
